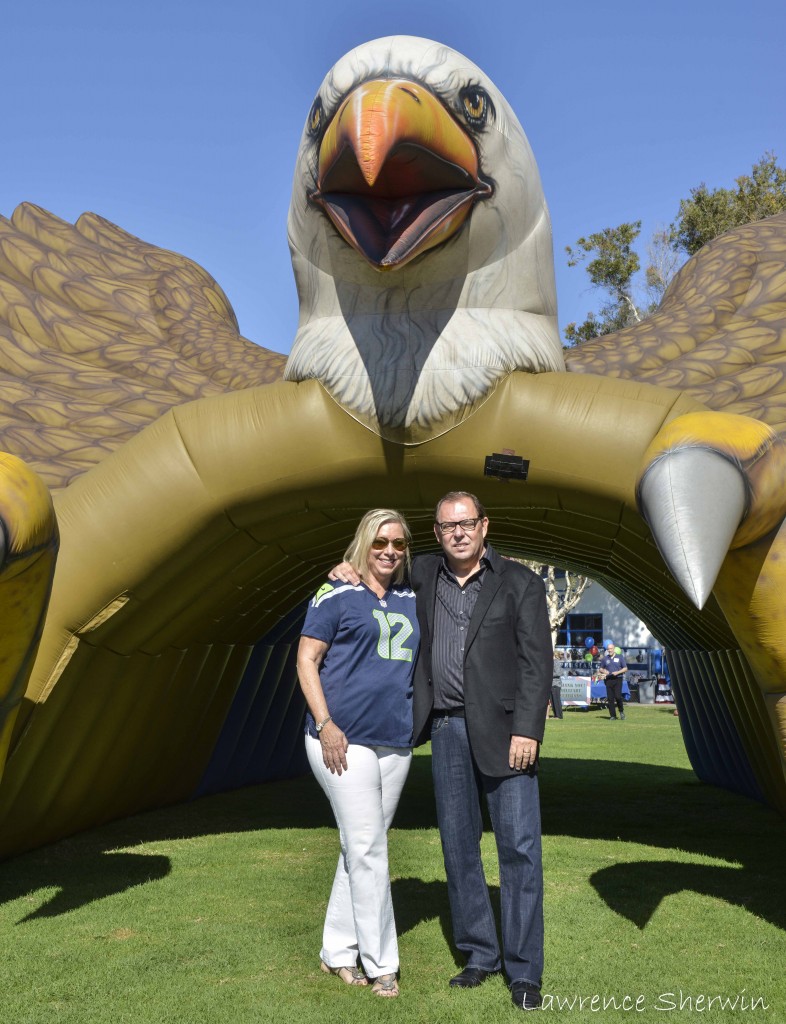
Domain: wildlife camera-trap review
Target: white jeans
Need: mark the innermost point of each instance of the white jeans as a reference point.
(364, 798)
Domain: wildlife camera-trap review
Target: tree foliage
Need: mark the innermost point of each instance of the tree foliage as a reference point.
(563, 592)
(612, 262)
(710, 212)
(663, 262)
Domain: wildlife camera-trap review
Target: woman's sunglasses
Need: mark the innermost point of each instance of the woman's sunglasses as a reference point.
(380, 543)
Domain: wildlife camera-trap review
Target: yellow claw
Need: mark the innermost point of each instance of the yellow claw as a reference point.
(751, 446)
(28, 551)
(713, 491)
(739, 436)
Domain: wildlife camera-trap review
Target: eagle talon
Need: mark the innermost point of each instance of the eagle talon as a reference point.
(711, 482)
(693, 500)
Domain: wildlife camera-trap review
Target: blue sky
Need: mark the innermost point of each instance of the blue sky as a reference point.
(179, 119)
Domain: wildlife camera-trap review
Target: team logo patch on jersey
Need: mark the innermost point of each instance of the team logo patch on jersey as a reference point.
(328, 590)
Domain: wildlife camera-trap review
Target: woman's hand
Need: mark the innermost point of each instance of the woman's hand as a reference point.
(334, 748)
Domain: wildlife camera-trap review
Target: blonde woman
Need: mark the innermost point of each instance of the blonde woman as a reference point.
(355, 661)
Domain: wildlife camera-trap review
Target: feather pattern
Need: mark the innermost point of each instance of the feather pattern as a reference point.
(720, 332)
(100, 334)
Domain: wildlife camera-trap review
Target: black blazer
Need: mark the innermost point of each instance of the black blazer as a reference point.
(508, 659)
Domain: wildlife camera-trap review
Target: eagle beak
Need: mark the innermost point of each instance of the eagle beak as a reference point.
(397, 173)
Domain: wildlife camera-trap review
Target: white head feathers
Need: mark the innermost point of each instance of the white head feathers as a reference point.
(410, 351)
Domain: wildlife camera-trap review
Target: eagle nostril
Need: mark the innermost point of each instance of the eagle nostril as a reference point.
(409, 92)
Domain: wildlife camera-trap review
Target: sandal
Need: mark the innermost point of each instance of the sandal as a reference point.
(386, 985)
(349, 975)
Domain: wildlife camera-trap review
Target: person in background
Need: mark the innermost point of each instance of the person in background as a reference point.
(355, 661)
(613, 667)
(556, 686)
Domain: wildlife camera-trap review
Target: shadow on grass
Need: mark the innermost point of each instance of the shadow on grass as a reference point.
(671, 809)
(416, 901)
(636, 890)
(80, 880)
(588, 799)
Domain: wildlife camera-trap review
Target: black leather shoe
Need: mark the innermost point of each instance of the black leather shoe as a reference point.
(525, 996)
(471, 977)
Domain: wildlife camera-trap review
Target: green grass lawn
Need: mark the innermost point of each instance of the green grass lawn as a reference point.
(658, 888)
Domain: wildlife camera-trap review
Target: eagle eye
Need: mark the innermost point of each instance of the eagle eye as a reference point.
(476, 105)
(316, 118)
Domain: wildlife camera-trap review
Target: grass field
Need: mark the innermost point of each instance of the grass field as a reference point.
(663, 897)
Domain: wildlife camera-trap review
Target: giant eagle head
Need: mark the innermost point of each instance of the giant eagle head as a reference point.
(420, 240)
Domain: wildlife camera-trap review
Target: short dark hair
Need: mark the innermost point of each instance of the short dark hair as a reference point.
(460, 496)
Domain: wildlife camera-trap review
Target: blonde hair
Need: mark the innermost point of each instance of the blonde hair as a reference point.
(358, 551)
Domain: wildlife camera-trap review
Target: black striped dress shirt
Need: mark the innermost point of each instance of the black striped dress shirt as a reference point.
(452, 612)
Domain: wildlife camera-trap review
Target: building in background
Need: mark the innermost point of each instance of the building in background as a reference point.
(601, 616)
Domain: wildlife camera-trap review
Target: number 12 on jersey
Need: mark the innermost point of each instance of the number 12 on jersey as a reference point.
(391, 644)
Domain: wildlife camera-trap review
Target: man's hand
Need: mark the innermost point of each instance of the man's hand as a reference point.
(523, 752)
(334, 748)
(344, 573)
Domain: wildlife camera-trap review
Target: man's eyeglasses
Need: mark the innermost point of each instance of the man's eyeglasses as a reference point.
(468, 525)
(380, 543)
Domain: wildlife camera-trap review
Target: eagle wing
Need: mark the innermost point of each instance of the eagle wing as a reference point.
(720, 333)
(100, 334)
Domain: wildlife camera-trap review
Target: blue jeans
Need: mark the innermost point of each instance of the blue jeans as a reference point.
(514, 808)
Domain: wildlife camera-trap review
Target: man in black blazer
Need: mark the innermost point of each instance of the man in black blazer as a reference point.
(481, 689)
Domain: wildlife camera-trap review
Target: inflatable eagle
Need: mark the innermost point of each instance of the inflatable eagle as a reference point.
(200, 485)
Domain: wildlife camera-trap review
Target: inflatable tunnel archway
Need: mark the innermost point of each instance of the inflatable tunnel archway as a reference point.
(166, 668)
